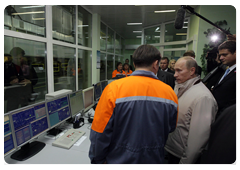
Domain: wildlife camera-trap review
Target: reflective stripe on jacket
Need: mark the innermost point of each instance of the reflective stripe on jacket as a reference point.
(132, 120)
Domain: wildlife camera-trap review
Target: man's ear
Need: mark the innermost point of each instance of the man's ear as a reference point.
(236, 52)
(192, 71)
(155, 65)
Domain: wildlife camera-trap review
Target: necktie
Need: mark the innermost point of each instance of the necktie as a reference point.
(225, 74)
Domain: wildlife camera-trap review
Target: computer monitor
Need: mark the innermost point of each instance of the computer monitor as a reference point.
(57, 110)
(9, 145)
(104, 83)
(88, 98)
(76, 102)
(97, 91)
(28, 123)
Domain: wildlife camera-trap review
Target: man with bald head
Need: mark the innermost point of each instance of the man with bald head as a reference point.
(197, 110)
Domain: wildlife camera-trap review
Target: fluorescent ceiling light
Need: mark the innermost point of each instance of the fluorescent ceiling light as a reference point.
(185, 27)
(104, 37)
(38, 18)
(163, 11)
(157, 29)
(137, 31)
(37, 12)
(38, 6)
(185, 22)
(134, 23)
(139, 36)
(82, 25)
(181, 34)
(157, 36)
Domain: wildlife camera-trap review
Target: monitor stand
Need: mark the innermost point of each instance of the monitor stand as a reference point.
(54, 131)
(28, 150)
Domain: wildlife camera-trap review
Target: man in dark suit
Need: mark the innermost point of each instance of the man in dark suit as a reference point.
(164, 65)
(191, 53)
(166, 77)
(222, 141)
(224, 90)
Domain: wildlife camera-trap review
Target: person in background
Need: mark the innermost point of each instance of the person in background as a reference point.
(134, 115)
(191, 53)
(118, 71)
(127, 69)
(197, 111)
(166, 77)
(164, 65)
(127, 61)
(172, 64)
(12, 72)
(224, 91)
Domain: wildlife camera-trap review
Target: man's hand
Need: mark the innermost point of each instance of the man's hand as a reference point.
(14, 81)
(25, 81)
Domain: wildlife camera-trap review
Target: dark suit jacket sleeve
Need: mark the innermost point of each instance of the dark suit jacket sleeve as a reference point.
(222, 140)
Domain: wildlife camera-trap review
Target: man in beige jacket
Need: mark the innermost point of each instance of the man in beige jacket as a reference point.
(197, 110)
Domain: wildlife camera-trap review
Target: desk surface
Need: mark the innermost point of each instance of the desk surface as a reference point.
(55, 155)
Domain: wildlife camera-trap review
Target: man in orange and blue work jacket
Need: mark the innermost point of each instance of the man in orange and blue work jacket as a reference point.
(134, 115)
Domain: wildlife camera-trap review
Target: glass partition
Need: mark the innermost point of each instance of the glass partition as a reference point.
(84, 69)
(110, 41)
(103, 37)
(64, 65)
(25, 72)
(110, 68)
(175, 46)
(63, 23)
(84, 27)
(173, 54)
(122, 45)
(152, 35)
(117, 44)
(103, 68)
(25, 18)
(172, 34)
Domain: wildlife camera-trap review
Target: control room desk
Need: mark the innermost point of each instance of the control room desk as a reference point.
(55, 155)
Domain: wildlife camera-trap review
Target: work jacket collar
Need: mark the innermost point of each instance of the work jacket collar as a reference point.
(144, 73)
(179, 89)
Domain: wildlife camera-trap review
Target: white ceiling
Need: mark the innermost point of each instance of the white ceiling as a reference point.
(117, 16)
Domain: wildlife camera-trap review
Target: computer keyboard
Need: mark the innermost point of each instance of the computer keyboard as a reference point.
(68, 139)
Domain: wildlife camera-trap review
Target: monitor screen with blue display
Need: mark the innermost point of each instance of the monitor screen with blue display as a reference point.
(58, 110)
(29, 122)
(76, 102)
(8, 136)
(97, 91)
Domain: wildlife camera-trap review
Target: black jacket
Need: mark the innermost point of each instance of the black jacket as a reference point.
(222, 141)
(225, 91)
(166, 77)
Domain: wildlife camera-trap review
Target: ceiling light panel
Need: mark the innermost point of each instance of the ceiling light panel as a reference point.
(163, 11)
(134, 23)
